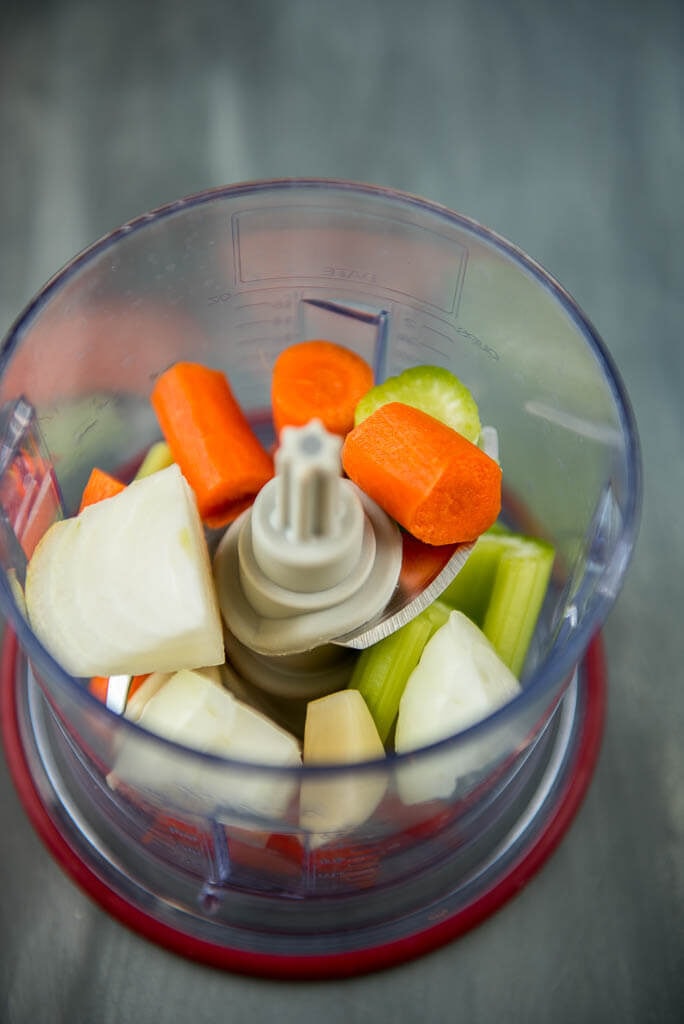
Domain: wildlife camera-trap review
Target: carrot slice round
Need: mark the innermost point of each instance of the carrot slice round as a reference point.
(318, 379)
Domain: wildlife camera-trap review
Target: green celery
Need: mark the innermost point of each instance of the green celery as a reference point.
(501, 588)
(382, 671)
(470, 590)
(520, 585)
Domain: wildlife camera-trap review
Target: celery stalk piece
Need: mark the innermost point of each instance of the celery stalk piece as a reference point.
(470, 590)
(501, 588)
(520, 585)
(433, 389)
(382, 670)
(157, 457)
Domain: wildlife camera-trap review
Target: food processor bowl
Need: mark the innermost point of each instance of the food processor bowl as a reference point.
(209, 856)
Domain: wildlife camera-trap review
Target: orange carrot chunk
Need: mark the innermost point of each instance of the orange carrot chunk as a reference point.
(136, 683)
(98, 687)
(438, 485)
(100, 485)
(318, 379)
(211, 440)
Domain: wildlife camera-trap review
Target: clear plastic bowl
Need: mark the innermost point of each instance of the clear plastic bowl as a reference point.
(208, 855)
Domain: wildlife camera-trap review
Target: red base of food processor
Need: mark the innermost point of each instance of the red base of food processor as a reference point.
(559, 791)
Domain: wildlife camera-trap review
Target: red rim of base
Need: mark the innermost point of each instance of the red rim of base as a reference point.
(335, 965)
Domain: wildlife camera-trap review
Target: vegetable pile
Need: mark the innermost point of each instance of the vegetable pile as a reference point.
(126, 586)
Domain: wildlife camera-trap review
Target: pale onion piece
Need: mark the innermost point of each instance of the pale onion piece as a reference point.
(47, 590)
(194, 709)
(132, 591)
(340, 730)
(137, 701)
(153, 684)
(17, 590)
(458, 681)
(288, 713)
(165, 601)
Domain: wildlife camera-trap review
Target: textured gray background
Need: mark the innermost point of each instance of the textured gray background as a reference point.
(559, 125)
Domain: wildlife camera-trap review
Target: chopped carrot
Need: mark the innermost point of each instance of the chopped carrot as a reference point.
(98, 687)
(100, 485)
(136, 683)
(438, 485)
(318, 379)
(99, 684)
(211, 440)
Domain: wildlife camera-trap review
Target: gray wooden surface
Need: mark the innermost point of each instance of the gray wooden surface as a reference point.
(559, 125)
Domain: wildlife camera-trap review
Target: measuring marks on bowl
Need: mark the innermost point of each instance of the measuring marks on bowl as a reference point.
(261, 322)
